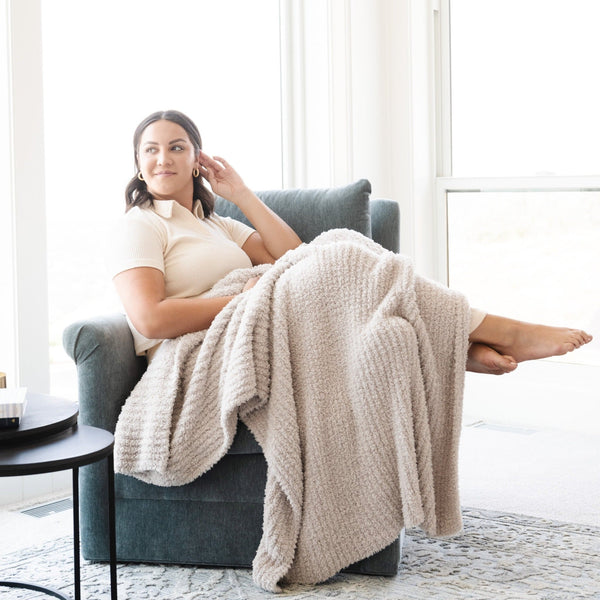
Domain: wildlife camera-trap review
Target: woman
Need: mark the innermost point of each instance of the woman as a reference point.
(173, 248)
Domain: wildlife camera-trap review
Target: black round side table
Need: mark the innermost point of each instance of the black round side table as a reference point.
(48, 440)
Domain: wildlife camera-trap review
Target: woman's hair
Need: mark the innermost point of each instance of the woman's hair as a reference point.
(136, 192)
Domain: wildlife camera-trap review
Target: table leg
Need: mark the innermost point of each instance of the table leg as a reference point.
(76, 544)
(112, 527)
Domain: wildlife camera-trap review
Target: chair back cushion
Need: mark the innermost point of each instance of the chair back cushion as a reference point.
(310, 212)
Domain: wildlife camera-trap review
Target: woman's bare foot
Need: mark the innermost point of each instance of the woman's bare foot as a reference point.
(483, 359)
(527, 341)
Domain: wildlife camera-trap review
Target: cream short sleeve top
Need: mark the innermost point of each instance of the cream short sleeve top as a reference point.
(191, 251)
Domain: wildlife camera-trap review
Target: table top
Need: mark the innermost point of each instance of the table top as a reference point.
(44, 415)
(74, 447)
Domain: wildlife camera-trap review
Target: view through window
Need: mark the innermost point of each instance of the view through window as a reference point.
(524, 98)
(531, 255)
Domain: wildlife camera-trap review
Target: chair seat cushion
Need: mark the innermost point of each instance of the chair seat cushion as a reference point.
(235, 478)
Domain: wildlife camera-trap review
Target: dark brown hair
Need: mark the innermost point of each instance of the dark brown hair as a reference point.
(136, 192)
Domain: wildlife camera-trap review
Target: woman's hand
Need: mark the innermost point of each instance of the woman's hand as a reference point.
(250, 283)
(273, 236)
(222, 177)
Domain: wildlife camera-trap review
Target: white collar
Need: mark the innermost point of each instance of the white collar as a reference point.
(165, 208)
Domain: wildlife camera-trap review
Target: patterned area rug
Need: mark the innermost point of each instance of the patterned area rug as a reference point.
(498, 556)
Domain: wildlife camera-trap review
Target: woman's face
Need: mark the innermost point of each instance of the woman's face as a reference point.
(166, 158)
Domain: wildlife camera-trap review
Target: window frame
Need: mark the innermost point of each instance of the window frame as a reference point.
(445, 182)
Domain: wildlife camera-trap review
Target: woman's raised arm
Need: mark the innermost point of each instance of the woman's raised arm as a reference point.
(273, 237)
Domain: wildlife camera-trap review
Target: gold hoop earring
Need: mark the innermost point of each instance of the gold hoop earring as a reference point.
(196, 172)
(140, 176)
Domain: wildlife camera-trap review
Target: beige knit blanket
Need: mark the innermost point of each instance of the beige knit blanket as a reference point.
(349, 370)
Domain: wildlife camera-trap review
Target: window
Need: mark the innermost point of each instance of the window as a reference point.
(528, 254)
(518, 190)
(108, 66)
(524, 95)
(522, 198)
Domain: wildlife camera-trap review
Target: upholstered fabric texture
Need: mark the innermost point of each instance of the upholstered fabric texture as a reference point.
(307, 211)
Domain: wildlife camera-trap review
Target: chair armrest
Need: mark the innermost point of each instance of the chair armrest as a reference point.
(385, 223)
(107, 367)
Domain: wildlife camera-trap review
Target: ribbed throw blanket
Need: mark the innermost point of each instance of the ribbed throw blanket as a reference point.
(349, 371)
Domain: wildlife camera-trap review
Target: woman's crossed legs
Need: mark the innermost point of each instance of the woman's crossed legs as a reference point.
(498, 344)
